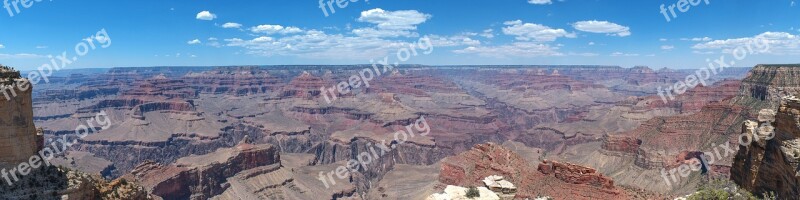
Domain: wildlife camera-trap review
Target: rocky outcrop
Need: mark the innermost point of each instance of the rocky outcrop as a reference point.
(559, 180)
(18, 139)
(771, 160)
(32, 178)
(50, 182)
(621, 144)
(576, 174)
(771, 82)
(203, 176)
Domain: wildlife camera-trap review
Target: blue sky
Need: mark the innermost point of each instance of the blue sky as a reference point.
(271, 32)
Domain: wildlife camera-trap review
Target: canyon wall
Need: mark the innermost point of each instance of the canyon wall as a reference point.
(771, 165)
(771, 82)
(18, 137)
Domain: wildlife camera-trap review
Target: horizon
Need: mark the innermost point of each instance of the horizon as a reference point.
(402, 65)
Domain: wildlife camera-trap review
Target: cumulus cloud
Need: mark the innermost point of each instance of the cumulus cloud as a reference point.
(780, 43)
(272, 29)
(516, 49)
(402, 23)
(667, 47)
(534, 32)
(231, 25)
(206, 15)
(397, 20)
(195, 41)
(318, 45)
(1, 46)
(540, 2)
(606, 27)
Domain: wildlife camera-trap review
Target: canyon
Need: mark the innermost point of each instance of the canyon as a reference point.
(266, 132)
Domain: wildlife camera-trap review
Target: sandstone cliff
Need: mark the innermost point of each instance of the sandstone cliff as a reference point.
(18, 136)
(771, 165)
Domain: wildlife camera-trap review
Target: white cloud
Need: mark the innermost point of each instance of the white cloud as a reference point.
(195, 41)
(780, 43)
(395, 20)
(535, 32)
(792, 4)
(667, 47)
(703, 52)
(702, 39)
(458, 40)
(540, 2)
(402, 23)
(516, 49)
(318, 45)
(231, 25)
(663, 39)
(206, 15)
(372, 32)
(602, 27)
(488, 33)
(214, 42)
(591, 43)
(272, 29)
(20, 56)
(2, 47)
(623, 54)
(39, 47)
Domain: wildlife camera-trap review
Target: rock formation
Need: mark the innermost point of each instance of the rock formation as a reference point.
(30, 177)
(770, 83)
(555, 179)
(203, 176)
(18, 139)
(770, 162)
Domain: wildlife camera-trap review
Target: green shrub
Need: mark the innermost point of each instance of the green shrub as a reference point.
(473, 192)
(8, 75)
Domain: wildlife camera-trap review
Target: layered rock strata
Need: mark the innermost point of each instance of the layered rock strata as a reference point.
(771, 160)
